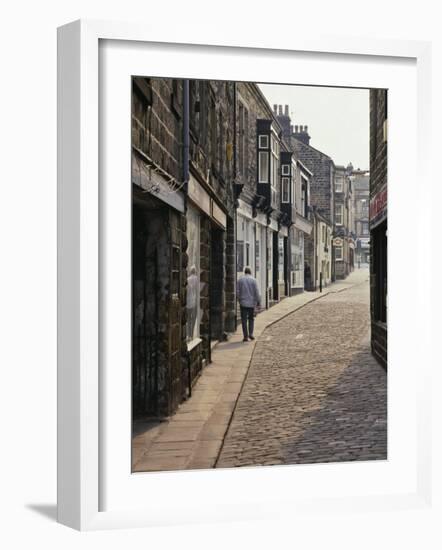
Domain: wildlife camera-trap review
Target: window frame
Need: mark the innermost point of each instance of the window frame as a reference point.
(263, 155)
(341, 208)
(285, 191)
(260, 137)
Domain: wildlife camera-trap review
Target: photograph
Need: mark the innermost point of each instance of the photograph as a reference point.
(259, 274)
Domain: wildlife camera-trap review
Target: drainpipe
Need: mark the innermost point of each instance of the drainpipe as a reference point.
(235, 203)
(186, 136)
(186, 141)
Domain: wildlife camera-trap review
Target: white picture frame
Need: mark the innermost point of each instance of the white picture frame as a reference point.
(82, 448)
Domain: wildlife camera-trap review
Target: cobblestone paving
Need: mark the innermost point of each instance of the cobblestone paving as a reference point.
(313, 392)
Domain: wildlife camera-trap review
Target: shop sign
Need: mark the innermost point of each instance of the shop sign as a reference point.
(219, 215)
(338, 241)
(199, 196)
(378, 207)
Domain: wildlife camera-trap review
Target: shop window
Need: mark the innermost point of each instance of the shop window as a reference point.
(281, 259)
(379, 236)
(193, 274)
(338, 253)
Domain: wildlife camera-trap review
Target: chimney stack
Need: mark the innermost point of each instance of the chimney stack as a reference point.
(301, 134)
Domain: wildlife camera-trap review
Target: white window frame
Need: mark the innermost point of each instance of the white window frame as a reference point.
(285, 190)
(341, 257)
(340, 208)
(274, 167)
(261, 138)
(339, 185)
(263, 176)
(285, 170)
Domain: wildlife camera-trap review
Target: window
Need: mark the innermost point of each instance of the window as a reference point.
(221, 147)
(364, 228)
(339, 185)
(285, 190)
(213, 131)
(193, 274)
(274, 167)
(243, 139)
(281, 259)
(240, 140)
(304, 197)
(263, 167)
(246, 141)
(263, 142)
(338, 253)
(285, 170)
(339, 214)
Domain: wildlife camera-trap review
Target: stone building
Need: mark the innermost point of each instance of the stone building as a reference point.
(322, 201)
(262, 230)
(344, 239)
(361, 190)
(296, 205)
(378, 223)
(183, 234)
(319, 250)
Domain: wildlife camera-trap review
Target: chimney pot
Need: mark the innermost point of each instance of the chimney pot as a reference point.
(296, 128)
(306, 129)
(275, 108)
(286, 112)
(280, 110)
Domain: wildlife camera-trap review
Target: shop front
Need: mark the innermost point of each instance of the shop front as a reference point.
(378, 275)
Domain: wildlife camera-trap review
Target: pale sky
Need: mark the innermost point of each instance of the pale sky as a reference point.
(337, 119)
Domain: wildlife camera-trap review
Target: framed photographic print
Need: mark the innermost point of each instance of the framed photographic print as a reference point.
(228, 281)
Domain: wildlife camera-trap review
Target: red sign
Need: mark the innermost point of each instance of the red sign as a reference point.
(378, 204)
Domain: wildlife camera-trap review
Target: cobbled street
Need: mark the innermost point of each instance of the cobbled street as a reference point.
(306, 390)
(313, 391)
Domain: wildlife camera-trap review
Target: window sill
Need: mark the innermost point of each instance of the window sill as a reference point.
(191, 345)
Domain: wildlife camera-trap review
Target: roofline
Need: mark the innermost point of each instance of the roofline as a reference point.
(314, 149)
(304, 167)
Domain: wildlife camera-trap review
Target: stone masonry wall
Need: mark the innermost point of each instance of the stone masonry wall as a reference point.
(321, 184)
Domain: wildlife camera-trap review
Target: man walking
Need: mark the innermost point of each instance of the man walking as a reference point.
(248, 297)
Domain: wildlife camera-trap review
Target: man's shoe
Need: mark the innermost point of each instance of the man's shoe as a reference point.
(251, 337)
(245, 339)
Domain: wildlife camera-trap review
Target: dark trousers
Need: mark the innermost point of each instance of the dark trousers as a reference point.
(247, 317)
